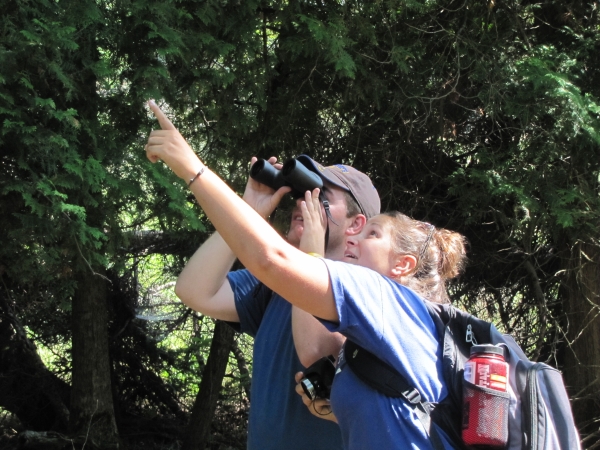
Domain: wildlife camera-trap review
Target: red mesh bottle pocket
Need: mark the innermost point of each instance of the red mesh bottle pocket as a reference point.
(485, 416)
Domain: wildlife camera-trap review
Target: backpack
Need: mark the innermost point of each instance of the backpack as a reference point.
(540, 416)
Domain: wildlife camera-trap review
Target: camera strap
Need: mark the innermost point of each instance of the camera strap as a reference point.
(328, 214)
(327, 211)
(329, 217)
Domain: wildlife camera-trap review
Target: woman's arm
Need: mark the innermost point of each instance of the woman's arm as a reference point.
(299, 278)
(313, 233)
(311, 339)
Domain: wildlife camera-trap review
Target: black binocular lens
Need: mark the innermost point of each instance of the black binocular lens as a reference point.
(293, 174)
(265, 173)
(299, 177)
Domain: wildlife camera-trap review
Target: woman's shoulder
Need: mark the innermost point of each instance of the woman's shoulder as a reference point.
(343, 267)
(359, 278)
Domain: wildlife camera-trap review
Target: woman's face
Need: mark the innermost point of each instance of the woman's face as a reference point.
(372, 247)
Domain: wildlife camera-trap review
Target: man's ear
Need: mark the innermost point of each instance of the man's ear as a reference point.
(405, 265)
(357, 224)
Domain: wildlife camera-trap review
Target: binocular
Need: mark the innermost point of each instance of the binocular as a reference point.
(293, 174)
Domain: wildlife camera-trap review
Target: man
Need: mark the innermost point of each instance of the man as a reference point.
(278, 418)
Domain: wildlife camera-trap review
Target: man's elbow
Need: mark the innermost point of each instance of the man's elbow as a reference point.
(198, 298)
(183, 292)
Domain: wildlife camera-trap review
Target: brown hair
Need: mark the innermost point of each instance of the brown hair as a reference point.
(352, 208)
(440, 253)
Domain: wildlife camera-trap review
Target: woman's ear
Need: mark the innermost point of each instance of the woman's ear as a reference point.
(405, 265)
(358, 223)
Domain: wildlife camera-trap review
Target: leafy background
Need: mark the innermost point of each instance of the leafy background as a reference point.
(482, 117)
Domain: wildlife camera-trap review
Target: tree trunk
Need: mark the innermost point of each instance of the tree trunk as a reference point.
(27, 388)
(92, 411)
(245, 376)
(198, 432)
(582, 359)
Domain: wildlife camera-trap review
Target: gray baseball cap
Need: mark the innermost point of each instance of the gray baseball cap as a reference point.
(349, 179)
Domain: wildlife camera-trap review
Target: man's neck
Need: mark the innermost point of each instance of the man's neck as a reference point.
(336, 254)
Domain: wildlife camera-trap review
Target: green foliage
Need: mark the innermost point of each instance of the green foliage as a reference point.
(482, 117)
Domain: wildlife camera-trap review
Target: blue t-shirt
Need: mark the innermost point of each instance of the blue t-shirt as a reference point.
(278, 418)
(392, 322)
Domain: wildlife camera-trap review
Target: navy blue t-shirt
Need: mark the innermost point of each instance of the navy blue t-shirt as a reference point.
(278, 418)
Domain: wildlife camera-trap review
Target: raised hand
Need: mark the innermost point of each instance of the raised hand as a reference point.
(169, 146)
(313, 235)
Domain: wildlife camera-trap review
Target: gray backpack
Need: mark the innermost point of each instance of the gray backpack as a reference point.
(539, 417)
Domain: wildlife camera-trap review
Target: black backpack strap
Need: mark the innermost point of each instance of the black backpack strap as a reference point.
(457, 331)
(384, 378)
(378, 374)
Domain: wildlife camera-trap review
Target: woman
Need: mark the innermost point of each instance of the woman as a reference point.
(367, 304)
(435, 255)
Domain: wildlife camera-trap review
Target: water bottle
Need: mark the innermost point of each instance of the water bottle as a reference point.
(485, 397)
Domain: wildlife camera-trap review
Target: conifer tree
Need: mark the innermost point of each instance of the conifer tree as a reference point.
(480, 117)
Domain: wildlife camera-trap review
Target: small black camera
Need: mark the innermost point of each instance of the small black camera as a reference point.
(318, 378)
(293, 174)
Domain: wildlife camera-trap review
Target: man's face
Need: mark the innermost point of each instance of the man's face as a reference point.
(337, 233)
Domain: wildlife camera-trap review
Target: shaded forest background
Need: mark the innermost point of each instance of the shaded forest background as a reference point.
(478, 116)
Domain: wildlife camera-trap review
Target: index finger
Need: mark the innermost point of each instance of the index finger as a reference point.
(163, 120)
